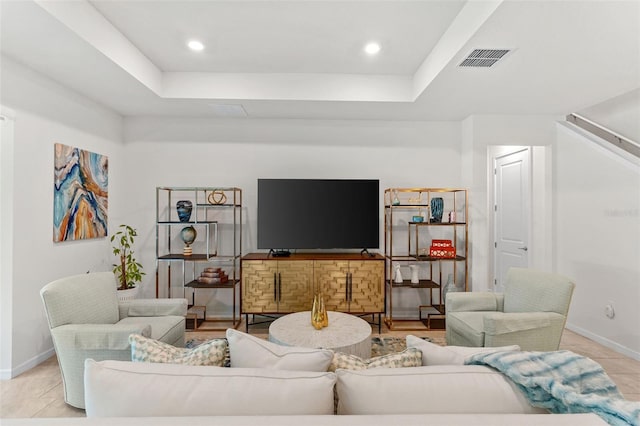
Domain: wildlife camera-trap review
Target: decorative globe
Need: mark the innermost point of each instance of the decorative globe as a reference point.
(188, 235)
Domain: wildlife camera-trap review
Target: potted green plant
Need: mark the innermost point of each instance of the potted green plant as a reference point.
(128, 271)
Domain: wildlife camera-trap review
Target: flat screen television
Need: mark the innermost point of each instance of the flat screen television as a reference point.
(318, 214)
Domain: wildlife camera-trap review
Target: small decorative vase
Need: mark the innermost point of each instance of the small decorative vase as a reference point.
(323, 311)
(414, 274)
(396, 200)
(188, 235)
(437, 208)
(397, 277)
(314, 307)
(184, 208)
(316, 317)
(449, 288)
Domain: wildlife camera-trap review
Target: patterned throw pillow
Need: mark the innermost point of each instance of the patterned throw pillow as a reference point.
(410, 357)
(144, 349)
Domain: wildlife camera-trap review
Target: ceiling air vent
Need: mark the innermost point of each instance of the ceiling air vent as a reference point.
(483, 58)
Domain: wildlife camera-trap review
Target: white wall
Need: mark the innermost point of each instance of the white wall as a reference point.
(620, 114)
(200, 152)
(46, 113)
(482, 135)
(6, 238)
(597, 237)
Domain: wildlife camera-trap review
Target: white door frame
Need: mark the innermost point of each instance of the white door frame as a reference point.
(541, 212)
(516, 251)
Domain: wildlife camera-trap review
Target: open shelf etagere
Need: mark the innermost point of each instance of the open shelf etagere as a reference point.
(400, 207)
(218, 244)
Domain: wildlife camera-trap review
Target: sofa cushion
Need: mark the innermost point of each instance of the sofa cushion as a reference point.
(140, 389)
(252, 352)
(168, 329)
(431, 389)
(144, 349)
(433, 354)
(410, 357)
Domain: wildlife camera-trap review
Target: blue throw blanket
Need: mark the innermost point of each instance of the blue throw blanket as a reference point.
(563, 382)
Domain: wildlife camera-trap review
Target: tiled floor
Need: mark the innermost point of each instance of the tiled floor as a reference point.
(38, 392)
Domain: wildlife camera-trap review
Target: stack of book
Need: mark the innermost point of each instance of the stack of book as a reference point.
(213, 276)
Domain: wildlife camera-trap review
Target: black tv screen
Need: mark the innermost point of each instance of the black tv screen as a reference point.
(318, 214)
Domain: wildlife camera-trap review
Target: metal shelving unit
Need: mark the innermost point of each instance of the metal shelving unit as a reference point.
(217, 218)
(407, 217)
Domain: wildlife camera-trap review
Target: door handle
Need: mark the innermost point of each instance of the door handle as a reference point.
(346, 287)
(275, 288)
(279, 287)
(350, 286)
(523, 248)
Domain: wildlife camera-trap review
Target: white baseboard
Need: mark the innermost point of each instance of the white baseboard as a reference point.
(605, 342)
(27, 365)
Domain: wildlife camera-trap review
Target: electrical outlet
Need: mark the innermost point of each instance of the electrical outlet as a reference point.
(609, 311)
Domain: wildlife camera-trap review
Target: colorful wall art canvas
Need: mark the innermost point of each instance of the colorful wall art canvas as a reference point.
(80, 194)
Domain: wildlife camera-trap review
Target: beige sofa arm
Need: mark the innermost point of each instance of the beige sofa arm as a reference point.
(152, 308)
(97, 336)
(478, 301)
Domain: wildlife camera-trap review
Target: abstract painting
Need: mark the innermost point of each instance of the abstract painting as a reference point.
(80, 194)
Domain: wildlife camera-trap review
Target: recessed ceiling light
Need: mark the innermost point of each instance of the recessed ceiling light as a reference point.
(195, 45)
(372, 48)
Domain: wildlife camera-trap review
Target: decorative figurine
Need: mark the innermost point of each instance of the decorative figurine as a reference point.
(397, 275)
(414, 274)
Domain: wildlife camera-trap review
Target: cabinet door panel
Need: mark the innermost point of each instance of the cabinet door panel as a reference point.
(367, 278)
(331, 280)
(296, 285)
(258, 286)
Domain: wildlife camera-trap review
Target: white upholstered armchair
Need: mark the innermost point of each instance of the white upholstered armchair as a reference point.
(87, 321)
(531, 312)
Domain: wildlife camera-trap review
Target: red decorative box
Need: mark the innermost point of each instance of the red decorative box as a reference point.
(442, 248)
(441, 243)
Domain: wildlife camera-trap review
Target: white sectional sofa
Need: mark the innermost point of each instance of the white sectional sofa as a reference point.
(129, 393)
(326, 420)
(269, 384)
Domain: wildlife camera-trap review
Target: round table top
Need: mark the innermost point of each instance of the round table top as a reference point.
(296, 330)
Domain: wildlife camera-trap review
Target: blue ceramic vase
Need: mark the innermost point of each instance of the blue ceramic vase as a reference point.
(184, 208)
(437, 208)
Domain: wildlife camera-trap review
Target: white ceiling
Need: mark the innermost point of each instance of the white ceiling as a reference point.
(304, 59)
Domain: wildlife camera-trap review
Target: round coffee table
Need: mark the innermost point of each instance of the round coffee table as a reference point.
(345, 333)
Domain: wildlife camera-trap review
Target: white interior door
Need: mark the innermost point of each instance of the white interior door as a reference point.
(512, 180)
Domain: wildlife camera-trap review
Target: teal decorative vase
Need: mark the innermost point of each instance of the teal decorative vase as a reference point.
(437, 208)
